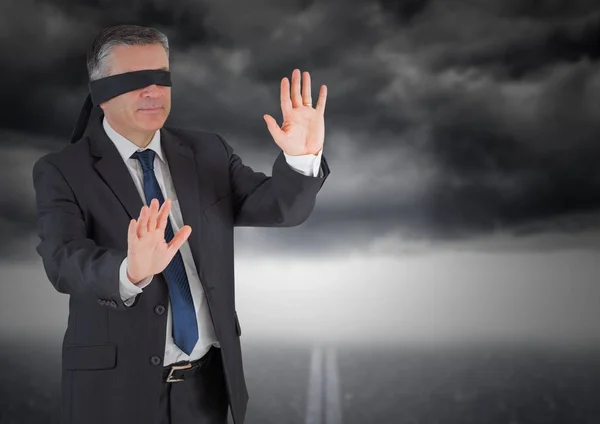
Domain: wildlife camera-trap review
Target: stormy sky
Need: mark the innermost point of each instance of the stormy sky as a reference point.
(456, 125)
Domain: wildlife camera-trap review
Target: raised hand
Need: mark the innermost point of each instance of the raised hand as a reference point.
(148, 253)
(303, 129)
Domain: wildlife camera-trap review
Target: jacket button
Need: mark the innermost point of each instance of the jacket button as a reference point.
(155, 360)
(159, 309)
(113, 303)
(100, 301)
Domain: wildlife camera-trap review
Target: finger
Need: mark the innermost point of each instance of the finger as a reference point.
(272, 126)
(163, 216)
(131, 232)
(143, 222)
(296, 98)
(322, 100)
(153, 215)
(306, 94)
(178, 240)
(286, 102)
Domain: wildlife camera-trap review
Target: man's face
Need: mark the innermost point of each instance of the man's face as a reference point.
(146, 109)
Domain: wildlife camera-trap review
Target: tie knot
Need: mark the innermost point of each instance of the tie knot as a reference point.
(146, 158)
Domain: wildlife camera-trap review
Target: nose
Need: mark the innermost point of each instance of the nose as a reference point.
(151, 91)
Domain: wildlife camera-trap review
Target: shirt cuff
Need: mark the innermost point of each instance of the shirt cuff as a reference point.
(305, 164)
(127, 289)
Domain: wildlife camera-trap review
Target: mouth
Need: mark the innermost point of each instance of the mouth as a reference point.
(150, 109)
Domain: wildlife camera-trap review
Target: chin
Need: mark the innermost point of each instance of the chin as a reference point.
(151, 121)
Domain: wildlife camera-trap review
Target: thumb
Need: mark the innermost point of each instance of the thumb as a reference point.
(177, 241)
(272, 126)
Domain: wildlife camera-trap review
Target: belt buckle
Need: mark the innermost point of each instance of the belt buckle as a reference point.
(171, 379)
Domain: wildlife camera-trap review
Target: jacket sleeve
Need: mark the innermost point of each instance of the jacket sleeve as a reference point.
(285, 199)
(74, 264)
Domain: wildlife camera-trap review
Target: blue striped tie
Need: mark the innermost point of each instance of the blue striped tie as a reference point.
(185, 326)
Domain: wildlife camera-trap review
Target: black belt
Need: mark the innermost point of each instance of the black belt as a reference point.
(178, 371)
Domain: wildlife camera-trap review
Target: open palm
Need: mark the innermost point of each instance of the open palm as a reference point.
(303, 129)
(148, 253)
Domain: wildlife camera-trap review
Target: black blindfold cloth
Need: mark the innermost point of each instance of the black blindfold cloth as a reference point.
(105, 89)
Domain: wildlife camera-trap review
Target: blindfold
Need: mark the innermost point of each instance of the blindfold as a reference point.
(106, 88)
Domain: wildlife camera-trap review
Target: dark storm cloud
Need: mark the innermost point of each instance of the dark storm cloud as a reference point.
(530, 50)
(444, 119)
(502, 169)
(543, 10)
(404, 10)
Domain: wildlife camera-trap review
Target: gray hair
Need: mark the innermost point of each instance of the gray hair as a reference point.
(98, 54)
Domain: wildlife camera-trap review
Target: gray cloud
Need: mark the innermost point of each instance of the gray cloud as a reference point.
(452, 130)
(444, 119)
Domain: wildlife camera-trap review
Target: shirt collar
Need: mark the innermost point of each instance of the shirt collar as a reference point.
(125, 147)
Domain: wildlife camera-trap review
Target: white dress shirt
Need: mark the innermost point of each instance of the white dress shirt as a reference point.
(306, 164)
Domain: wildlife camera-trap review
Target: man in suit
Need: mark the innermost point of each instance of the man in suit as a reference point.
(135, 221)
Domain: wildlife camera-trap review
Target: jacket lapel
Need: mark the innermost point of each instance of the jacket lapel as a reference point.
(195, 184)
(113, 170)
(182, 167)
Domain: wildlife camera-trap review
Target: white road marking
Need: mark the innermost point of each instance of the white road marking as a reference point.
(314, 401)
(323, 404)
(333, 408)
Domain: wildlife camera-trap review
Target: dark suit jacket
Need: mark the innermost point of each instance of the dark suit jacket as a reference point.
(112, 354)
